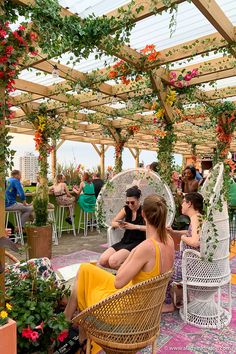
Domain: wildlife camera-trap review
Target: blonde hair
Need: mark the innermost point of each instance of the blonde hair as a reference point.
(155, 211)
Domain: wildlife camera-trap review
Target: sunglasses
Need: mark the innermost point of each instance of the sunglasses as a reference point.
(132, 203)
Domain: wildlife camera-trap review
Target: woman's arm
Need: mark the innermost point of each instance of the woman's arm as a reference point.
(78, 191)
(177, 233)
(130, 226)
(119, 216)
(133, 264)
(194, 240)
(66, 190)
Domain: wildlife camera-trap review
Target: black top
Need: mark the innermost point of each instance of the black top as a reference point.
(131, 236)
(98, 183)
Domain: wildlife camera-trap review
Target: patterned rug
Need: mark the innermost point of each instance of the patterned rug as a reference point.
(175, 336)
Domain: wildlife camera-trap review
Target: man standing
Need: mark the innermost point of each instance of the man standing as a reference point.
(14, 189)
(98, 183)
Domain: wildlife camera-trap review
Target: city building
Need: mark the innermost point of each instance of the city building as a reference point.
(29, 167)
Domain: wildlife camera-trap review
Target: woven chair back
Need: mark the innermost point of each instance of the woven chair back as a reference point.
(128, 319)
(113, 194)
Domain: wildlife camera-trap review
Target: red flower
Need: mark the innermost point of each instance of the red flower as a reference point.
(63, 335)
(3, 59)
(9, 49)
(33, 36)
(187, 77)
(26, 333)
(34, 52)
(21, 28)
(112, 74)
(3, 33)
(34, 336)
(2, 74)
(3, 42)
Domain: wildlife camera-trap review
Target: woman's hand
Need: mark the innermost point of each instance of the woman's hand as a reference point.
(7, 232)
(169, 230)
(129, 226)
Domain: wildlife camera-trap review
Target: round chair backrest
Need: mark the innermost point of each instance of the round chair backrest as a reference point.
(113, 194)
(216, 226)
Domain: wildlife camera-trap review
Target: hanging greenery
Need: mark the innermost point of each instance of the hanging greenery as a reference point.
(165, 153)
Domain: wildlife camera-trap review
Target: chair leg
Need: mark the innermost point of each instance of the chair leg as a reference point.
(88, 346)
(154, 347)
(85, 223)
(72, 219)
(80, 219)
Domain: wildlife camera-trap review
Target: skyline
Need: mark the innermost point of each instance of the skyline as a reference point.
(81, 153)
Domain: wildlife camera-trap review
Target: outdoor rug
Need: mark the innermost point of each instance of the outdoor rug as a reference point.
(175, 335)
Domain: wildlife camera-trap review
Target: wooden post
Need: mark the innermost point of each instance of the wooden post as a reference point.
(137, 157)
(102, 160)
(54, 159)
(2, 181)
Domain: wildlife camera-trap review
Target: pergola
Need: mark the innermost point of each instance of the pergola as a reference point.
(105, 105)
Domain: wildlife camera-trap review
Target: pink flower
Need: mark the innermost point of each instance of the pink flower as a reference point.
(3, 34)
(33, 36)
(194, 72)
(172, 81)
(154, 120)
(63, 335)
(187, 77)
(34, 52)
(26, 333)
(173, 74)
(179, 84)
(40, 326)
(34, 336)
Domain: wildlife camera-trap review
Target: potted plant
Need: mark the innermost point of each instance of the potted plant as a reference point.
(34, 297)
(47, 126)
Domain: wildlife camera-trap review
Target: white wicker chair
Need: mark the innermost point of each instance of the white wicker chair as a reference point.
(112, 197)
(203, 279)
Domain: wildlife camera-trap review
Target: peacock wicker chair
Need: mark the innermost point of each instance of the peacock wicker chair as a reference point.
(128, 320)
(203, 278)
(112, 197)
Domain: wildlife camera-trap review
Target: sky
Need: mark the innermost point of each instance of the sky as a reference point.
(81, 153)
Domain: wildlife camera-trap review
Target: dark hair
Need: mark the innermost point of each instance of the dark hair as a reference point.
(155, 211)
(196, 199)
(97, 174)
(154, 166)
(192, 169)
(15, 173)
(133, 192)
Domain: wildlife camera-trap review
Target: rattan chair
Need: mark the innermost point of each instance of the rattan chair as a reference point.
(111, 198)
(203, 280)
(128, 320)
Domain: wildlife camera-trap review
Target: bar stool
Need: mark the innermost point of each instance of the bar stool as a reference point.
(17, 223)
(60, 219)
(88, 222)
(52, 220)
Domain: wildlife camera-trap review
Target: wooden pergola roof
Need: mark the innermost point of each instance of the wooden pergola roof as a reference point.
(98, 103)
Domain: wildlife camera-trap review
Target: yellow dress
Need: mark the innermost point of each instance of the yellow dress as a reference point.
(96, 284)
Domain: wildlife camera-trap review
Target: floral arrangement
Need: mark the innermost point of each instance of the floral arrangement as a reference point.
(72, 172)
(4, 313)
(183, 78)
(33, 297)
(126, 72)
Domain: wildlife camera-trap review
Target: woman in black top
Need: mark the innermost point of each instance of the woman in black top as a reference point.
(130, 219)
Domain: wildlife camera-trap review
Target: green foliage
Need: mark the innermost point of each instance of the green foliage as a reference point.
(6, 154)
(35, 302)
(41, 211)
(165, 154)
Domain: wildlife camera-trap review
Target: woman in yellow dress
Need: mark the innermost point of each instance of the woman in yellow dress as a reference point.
(150, 258)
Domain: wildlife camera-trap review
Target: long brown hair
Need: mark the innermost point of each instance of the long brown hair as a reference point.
(155, 211)
(58, 178)
(86, 177)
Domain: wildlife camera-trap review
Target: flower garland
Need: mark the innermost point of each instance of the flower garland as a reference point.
(126, 72)
(182, 79)
(15, 45)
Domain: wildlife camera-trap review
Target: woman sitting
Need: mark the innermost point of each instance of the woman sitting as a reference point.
(130, 219)
(150, 258)
(189, 182)
(87, 200)
(192, 206)
(62, 194)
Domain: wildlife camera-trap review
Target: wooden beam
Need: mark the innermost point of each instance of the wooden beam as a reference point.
(162, 94)
(216, 16)
(97, 149)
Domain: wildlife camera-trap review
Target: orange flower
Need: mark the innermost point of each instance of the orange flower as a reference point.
(125, 80)
(153, 56)
(148, 48)
(112, 74)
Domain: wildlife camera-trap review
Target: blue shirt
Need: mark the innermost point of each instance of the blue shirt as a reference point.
(198, 176)
(13, 189)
